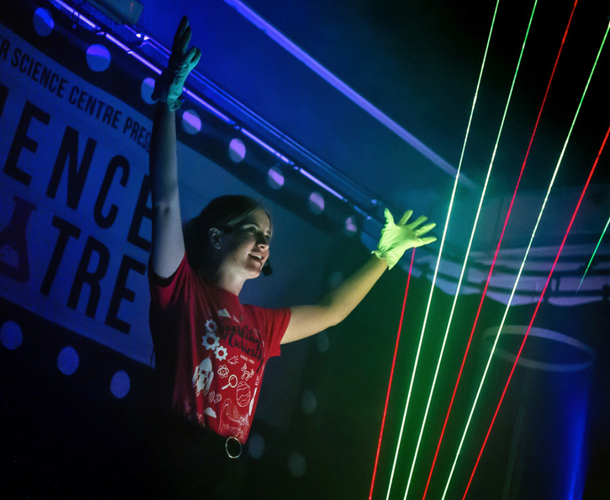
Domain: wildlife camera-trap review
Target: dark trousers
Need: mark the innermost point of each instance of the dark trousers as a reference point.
(190, 462)
(163, 457)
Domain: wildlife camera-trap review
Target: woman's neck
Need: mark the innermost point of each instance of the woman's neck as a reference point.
(225, 281)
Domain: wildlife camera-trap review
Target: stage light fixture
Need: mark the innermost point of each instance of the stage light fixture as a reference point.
(120, 11)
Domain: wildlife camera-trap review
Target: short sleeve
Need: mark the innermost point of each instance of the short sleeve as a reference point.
(274, 323)
(166, 292)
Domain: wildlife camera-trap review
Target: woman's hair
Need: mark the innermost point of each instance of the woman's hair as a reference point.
(224, 213)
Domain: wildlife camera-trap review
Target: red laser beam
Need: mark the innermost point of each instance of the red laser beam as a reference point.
(536, 310)
(496, 252)
(387, 399)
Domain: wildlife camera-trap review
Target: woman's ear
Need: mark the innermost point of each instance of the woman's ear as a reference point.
(214, 237)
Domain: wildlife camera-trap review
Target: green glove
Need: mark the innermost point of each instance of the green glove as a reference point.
(169, 85)
(396, 239)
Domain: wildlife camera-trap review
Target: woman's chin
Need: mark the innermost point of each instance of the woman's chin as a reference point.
(254, 271)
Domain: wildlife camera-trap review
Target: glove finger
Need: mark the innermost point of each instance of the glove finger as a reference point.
(425, 229)
(421, 219)
(184, 24)
(181, 45)
(407, 215)
(389, 218)
(192, 57)
(425, 241)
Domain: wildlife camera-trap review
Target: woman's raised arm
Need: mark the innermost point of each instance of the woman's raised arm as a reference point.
(339, 303)
(167, 240)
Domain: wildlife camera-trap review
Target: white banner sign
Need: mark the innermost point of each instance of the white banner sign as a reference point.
(75, 213)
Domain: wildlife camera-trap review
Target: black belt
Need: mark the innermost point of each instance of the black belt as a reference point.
(232, 446)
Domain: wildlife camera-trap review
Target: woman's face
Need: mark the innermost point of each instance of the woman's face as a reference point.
(246, 247)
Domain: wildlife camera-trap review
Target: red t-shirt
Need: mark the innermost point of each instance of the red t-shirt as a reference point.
(211, 350)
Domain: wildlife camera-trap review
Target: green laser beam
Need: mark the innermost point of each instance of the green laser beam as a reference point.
(463, 271)
(593, 256)
(443, 238)
(521, 268)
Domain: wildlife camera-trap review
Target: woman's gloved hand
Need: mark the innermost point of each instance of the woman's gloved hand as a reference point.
(396, 239)
(169, 85)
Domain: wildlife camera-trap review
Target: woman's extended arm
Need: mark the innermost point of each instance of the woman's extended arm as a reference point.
(336, 306)
(167, 241)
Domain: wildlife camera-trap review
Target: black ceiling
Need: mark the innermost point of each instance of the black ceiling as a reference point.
(418, 62)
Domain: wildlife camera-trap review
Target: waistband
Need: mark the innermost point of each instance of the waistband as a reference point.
(233, 448)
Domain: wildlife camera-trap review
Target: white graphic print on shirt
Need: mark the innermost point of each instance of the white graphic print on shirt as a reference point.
(203, 376)
(237, 380)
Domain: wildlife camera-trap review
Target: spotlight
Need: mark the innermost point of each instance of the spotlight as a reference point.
(275, 178)
(350, 228)
(191, 122)
(335, 279)
(256, 446)
(120, 384)
(309, 402)
(68, 360)
(323, 342)
(98, 58)
(237, 150)
(11, 335)
(297, 464)
(316, 203)
(43, 22)
(146, 90)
